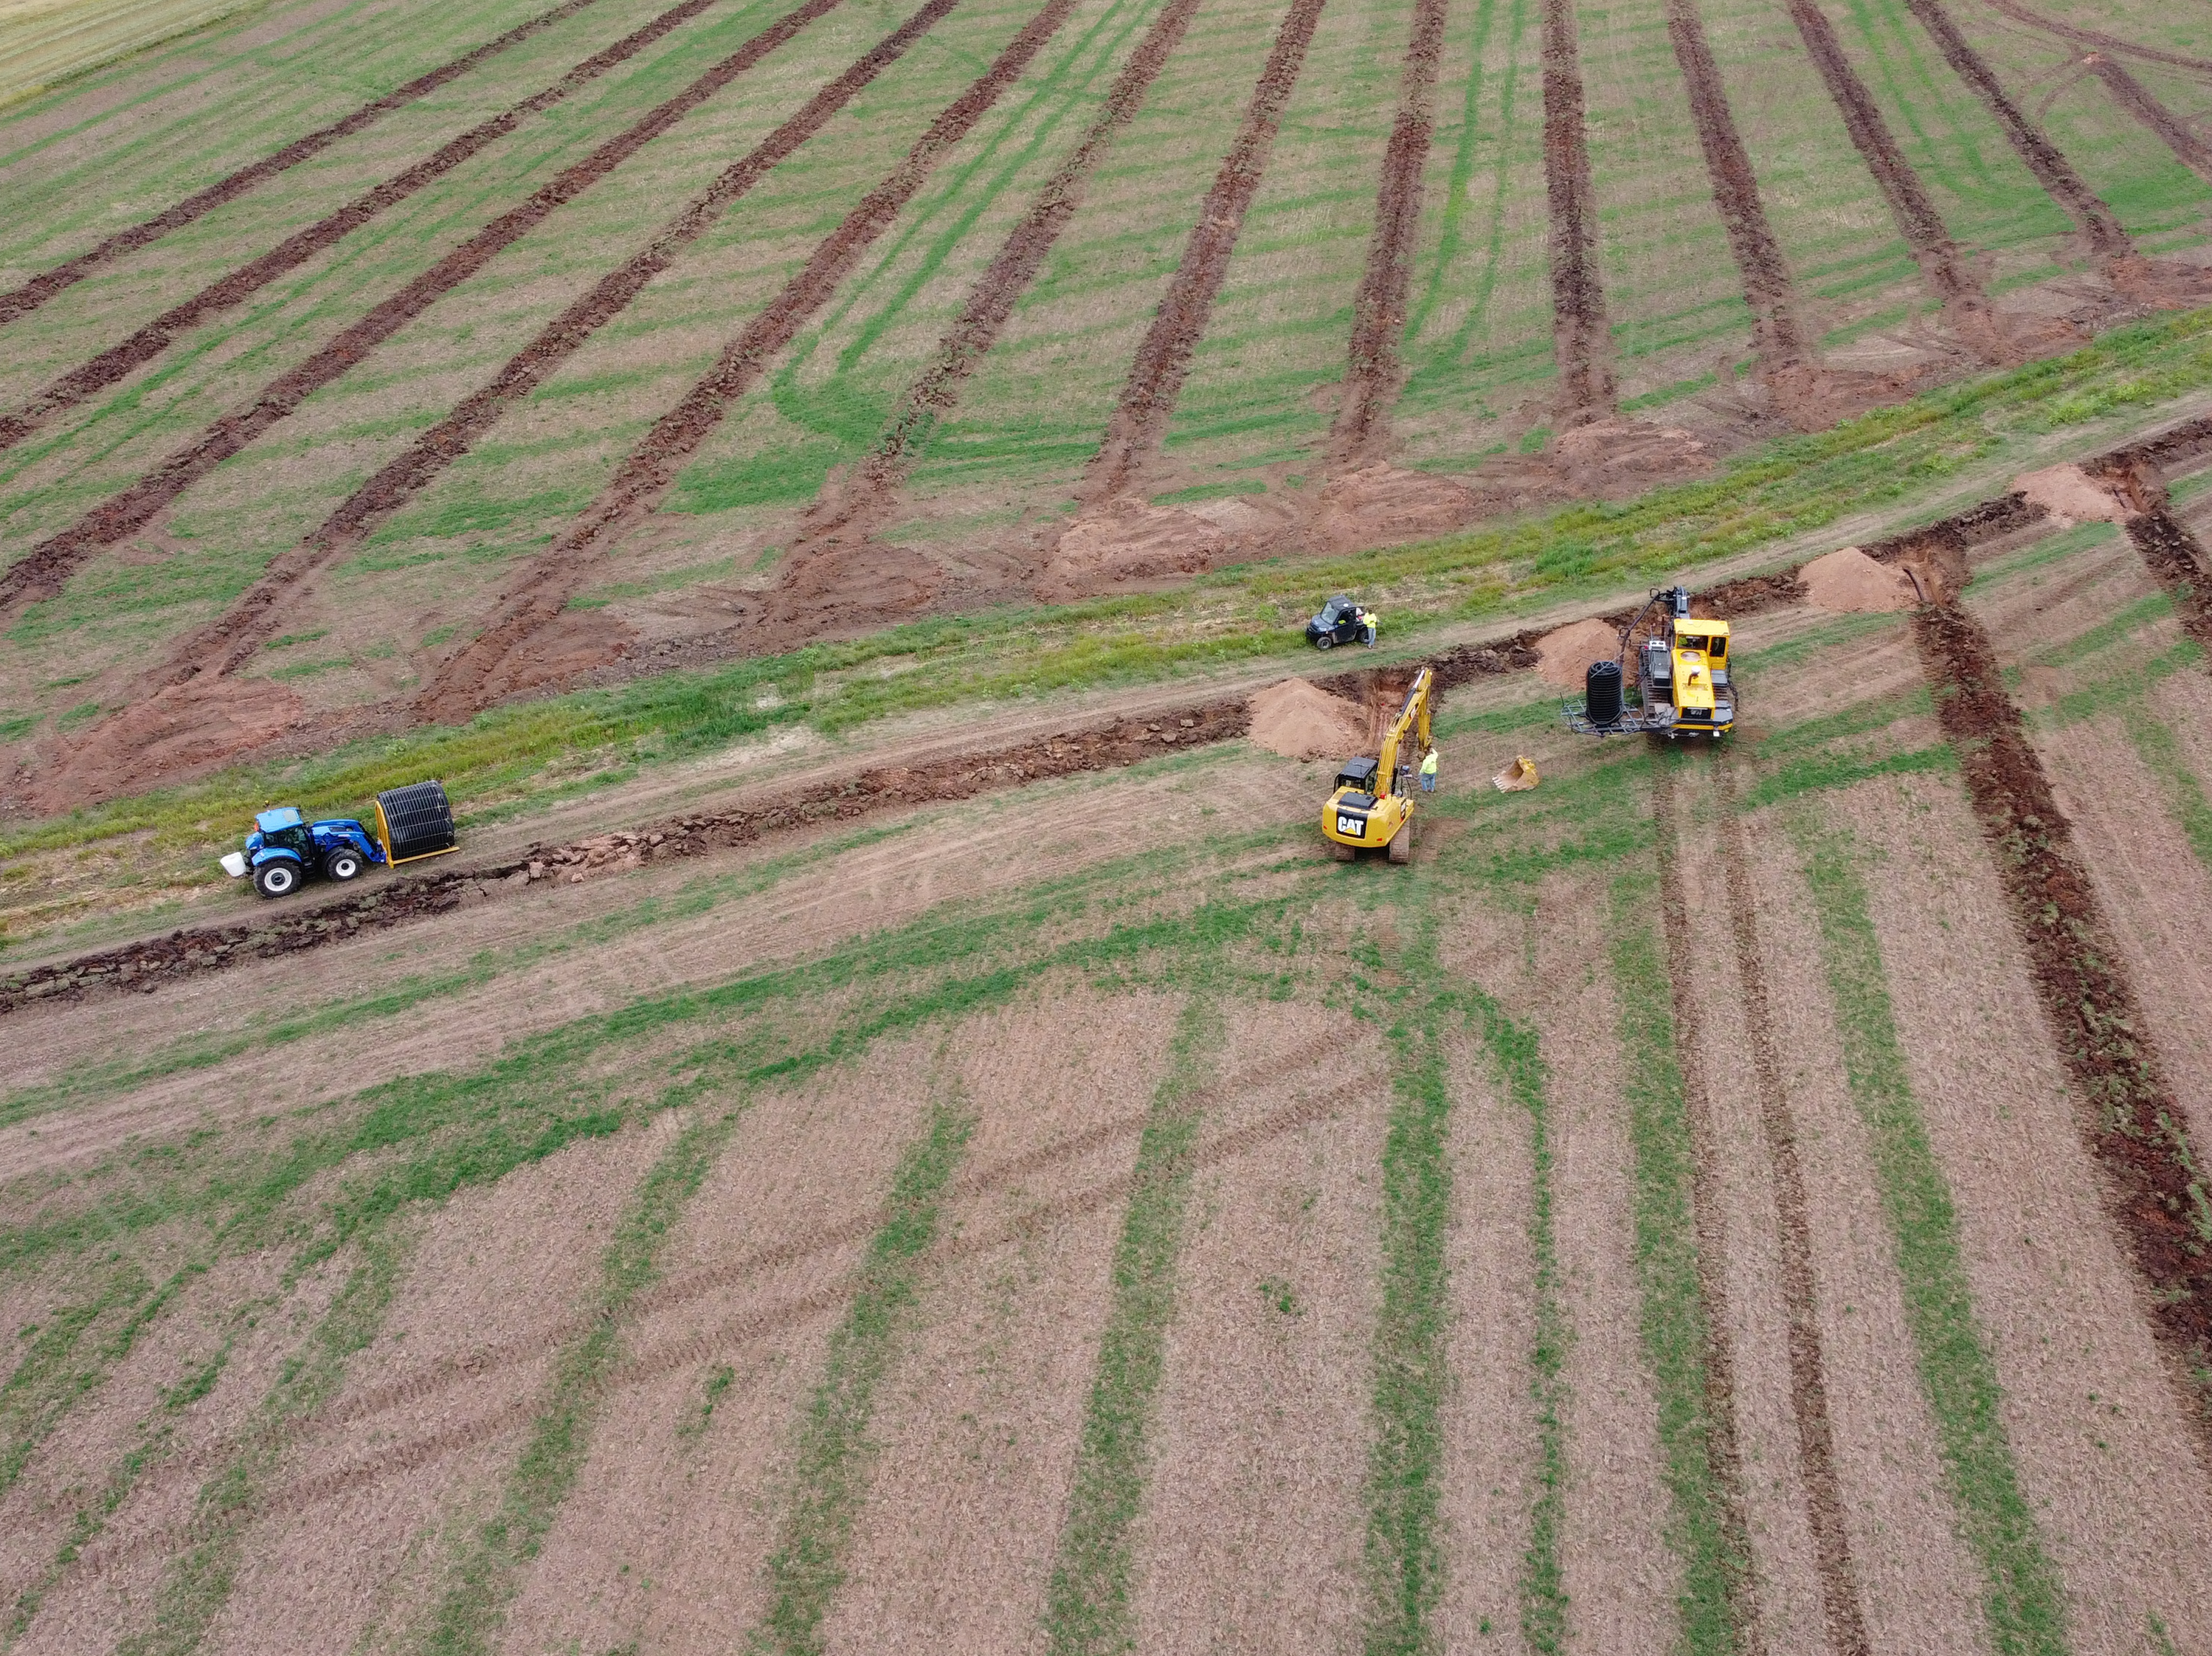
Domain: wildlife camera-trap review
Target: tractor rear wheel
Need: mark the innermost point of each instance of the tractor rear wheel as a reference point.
(342, 864)
(278, 879)
(1401, 843)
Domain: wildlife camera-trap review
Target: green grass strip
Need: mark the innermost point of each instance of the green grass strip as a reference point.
(836, 1454)
(1672, 1319)
(2022, 1599)
(196, 1582)
(1518, 1058)
(1404, 1461)
(2159, 749)
(1087, 1603)
(482, 1580)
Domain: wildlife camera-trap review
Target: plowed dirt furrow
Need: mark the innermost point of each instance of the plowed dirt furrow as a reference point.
(35, 293)
(544, 589)
(672, 1356)
(2108, 242)
(1965, 303)
(1790, 375)
(2172, 555)
(41, 572)
(1140, 419)
(1723, 1447)
(1378, 308)
(867, 501)
(1582, 342)
(221, 294)
(2129, 1116)
(2135, 97)
(1840, 1604)
(226, 643)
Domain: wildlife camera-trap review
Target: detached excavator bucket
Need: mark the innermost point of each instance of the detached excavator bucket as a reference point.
(1518, 777)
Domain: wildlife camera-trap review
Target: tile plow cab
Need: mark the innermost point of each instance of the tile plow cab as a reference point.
(285, 848)
(1679, 677)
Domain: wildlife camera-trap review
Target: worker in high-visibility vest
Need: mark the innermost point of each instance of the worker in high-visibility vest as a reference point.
(1429, 772)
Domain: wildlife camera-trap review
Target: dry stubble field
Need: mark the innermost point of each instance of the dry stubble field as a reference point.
(975, 1175)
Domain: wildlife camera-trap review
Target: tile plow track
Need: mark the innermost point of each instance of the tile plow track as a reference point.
(865, 504)
(542, 591)
(43, 571)
(1791, 374)
(227, 643)
(2096, 39)
(1378, 308)
(228, 291)
(1965, 303)
(22, 301)
(1582, 341)
(1139, 420)
(2136, 98)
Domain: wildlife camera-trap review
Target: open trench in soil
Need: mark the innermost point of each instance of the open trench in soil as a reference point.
(43, 571)
(236, 287)
(2129, 1115)
(20, 301)
(495, 661)
(1582, 344)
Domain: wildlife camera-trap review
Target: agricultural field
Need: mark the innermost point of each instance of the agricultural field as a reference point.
(893, 1131)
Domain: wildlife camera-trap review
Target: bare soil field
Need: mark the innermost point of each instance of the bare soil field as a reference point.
(895, 1131)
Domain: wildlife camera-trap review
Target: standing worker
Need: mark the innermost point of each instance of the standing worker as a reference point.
(1370, 620)
(1429, 772)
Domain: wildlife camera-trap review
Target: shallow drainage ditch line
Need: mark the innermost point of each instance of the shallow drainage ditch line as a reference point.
(20, 301)
(2130, 1119)
(2023, 1601)
(1840, 1604)
(1682, 1243)
(44, 570)
(539, 594)
(1582, 341)
(234, 288)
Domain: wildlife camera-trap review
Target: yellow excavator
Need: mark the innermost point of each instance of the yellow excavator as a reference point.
(1374, 801)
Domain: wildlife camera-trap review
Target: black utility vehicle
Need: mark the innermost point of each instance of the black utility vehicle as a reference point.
(1337, 623)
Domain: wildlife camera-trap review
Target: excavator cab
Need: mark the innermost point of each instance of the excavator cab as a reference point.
(1373, 802)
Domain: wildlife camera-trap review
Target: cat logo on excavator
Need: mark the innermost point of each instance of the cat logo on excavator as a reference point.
(1374, 801)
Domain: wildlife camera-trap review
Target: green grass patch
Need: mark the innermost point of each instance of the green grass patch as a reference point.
(830, 1477)
(1672, 1319)
(2021, 1599)
(1087, 1608)
(2159, 749)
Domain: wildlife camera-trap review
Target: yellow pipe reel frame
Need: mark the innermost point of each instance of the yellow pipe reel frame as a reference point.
(383, 833)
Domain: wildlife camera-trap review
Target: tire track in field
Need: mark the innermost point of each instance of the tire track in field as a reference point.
(867, 502)
(1582, 341)
(1792, 376)
(2131, 1120)
(226, 644)
(39, 289)
(687, 1350)
(544, 588)
(2136, 98)
(234, 289)
(1840, 1603)
(1966, 303)
(2113, 248)
(2094, 39)
(1377, 368)
(1722, 1448)
(1139, 420)
(43, 571)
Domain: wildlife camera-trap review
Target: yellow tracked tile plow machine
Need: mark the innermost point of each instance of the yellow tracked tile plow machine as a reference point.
(1682, 684)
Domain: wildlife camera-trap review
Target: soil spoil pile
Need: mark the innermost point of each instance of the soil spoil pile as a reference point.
(1564, 656)
(1847, 579)
(1301, 720)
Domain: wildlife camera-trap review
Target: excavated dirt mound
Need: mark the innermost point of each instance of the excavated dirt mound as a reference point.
(2069, 492)
(1301, 720)
(1126, 539)
(575, 643)
(1848, 579)
(185, 728)
(1615, 459)
(1382, 505)
(1564, 656)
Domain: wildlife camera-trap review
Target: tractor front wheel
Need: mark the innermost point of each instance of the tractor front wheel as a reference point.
(342, 864)
(276, 878)
(1326, 641)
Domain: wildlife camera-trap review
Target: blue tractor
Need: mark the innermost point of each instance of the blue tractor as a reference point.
(285, 848)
